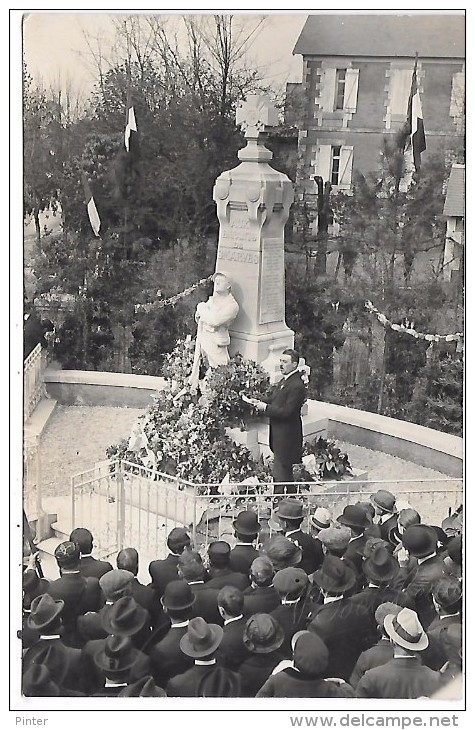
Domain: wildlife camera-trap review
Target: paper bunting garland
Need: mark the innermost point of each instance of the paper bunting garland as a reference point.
(408, 329)
(171, 300)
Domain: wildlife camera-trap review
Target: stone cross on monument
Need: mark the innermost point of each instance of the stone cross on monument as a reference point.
(253, 202)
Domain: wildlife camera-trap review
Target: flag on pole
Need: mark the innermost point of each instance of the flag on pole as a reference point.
(415, 121)
(130, 136)
(94, 218)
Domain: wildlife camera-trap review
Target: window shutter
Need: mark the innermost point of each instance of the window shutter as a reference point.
(327, 89)
(323, 162)
(399, 89)
(346, 167)
(458, 95)
(351, 89)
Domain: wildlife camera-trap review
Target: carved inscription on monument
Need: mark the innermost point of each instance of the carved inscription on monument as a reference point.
(271, 285)
(235, 254)
(238, 232)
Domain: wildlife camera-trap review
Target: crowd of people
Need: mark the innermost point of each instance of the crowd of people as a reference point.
(366, 604)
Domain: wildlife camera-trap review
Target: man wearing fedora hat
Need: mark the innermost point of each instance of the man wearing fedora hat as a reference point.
(334, 621)
(200, 643)
(144, 687)
(191, 569)
(246, 529)
(261, 596)
(64, 662)
(79, 594)
(166, 657)
(128, 559)
(380, 570)
(356, 518)
(291, 585)
(32, 586)
(164, 571)
(282, 552)
(114, 585)
(379, 653)
(404, 677)
(304, 675)
(38, 682)
(220, 682)
(219, 571)
(124, 617)
(118, 663)
(263, 637)
(290, 514)
(384, 504)
(420, 541)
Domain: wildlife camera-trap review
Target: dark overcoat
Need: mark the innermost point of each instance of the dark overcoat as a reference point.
(241, 558)
(338, 626)
(93, 568)
(220, 577)
(292, 683)
(232, 651)
(262, 599)
(187, 684)
(167, 658)
(377, 655)
(285, 422)
(162, 572)
(399, 679)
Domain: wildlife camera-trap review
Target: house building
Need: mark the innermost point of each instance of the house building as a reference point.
(357, 72)
(454, 210)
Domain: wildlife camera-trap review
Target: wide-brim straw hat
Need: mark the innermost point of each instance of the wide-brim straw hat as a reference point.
(406, 630)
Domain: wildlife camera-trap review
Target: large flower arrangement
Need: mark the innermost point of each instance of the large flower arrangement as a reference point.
(183, 433)
(186, 430)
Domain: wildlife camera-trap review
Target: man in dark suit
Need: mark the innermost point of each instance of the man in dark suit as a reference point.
(114, 585)
(382, 651)
(404, 676)
(164, 571)
(291, 585)
(79, 594)
(128, 559)
(447, 598)
(200, 643)
(166, 656)
(290, 515)
(117, 664)
(380, 568)
(285, 422)
(191, 569)
(232, 652)
(246, 528)
(63, 662)
(219, 571)
(261, 596)
(334, 621)
(420, 542)
(384, 504)
(355, 517)
(89, 567)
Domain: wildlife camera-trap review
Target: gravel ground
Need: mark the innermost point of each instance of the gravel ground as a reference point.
(76, 437)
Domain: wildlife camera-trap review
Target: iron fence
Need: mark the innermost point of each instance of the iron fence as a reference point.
(33, 380)
(125, 504)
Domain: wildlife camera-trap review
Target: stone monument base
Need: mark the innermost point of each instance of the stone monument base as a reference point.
(263, 348)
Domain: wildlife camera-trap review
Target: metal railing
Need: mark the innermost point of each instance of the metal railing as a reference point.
(33, 380)
(128, 505)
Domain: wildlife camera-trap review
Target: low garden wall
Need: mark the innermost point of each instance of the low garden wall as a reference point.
(423, 446)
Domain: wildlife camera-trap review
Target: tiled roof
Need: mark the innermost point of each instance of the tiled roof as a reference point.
(439, 36)
(455, 197)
